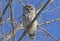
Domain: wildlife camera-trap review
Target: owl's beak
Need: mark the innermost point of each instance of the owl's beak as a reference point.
(28, 11)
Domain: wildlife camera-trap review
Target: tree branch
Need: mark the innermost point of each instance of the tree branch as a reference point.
(3, 13)
(48, 34)
(52, 10)
(49, 22)
(3, 33)
(13, 35)
(18, 27)
(21, 3)
(0, 8)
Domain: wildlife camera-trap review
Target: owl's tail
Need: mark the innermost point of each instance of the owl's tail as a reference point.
(32, 36)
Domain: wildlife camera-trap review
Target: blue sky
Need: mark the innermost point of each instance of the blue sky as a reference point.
(53, 28)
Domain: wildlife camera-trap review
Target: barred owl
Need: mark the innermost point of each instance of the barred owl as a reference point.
(28, 15)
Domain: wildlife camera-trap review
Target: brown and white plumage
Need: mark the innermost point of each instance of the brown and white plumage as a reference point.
(28, 15)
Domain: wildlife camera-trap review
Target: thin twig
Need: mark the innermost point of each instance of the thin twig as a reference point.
(18, 28)
(3, 33)
(48, 34)
(0, 8)
(52, 10)
(13, 35)
(21, 3)
(49, 22)
(3, 13)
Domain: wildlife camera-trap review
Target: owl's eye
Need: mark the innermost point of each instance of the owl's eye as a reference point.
(31, 8)
(27, 9)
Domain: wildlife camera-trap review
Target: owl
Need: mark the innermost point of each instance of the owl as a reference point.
(28, 15)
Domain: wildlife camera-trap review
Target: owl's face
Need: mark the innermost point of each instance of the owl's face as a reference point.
(29, 8)
(29, 12)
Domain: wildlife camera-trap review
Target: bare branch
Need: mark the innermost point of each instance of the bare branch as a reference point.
(48, 34)
(49, 22)
(18, 28)
(0, 8)
(3, 13)
(30, 24)
(9, 35)
(3, 33)
(21, 3)
(41, 7)
(1, 24)
(13, 35)
(52, 10)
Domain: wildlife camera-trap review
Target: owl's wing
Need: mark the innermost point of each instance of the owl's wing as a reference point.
(25, 19)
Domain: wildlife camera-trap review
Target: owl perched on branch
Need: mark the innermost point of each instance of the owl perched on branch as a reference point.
(28, 15)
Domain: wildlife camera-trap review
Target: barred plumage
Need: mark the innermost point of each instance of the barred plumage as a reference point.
(28, 15)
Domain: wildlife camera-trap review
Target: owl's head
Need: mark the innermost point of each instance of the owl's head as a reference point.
(29, 8)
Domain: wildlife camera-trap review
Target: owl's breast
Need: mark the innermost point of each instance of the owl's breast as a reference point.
(27, 18)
